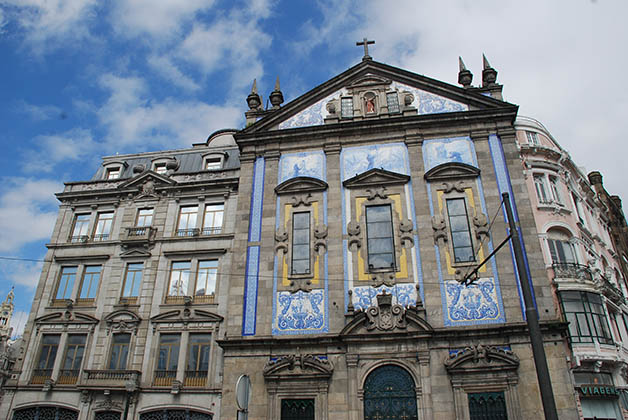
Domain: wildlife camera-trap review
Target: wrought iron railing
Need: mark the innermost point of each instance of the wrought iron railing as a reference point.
(195, 378)
(204, 298)
(111, 375)
(68, 376)
(572, 271)
(211, 231)
(137, 231)
(41, 375)
(101, 237)
(164, 377)
(188, 232)
(611, 291)
(79, 239)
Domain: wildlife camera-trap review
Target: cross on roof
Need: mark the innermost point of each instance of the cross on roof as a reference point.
(366, 44)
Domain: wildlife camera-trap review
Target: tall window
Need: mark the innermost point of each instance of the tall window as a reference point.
(119, 351)
(460, 230)
(562, 251)
(541, 190)
(346, 107)
(586, 316)
(81, 226)
(66, 283)
(212, 219)
(379, 235)
(73, 359)
(301, 243)
(167, 359)
(179, 278)
(144, 218)
(198, 360)
(579, 210)
(393, 102)
(206, 279)
(187, 221)
(132, 280)
(555, 188)
(533, 138)
(103, 226)
(47, 356)
(89, 285)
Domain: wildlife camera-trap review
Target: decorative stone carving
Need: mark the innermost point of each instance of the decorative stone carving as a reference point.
(408, 98)
(440, 229)
(107, 403)
(385, 278)
(320, 239)
(380, 192)
(281, 240)
(298, 365)
(176, 387)
(481, 225)
(300, 284)
(48, 384)
(122, 321)
(405, 236)
(148, 190)
(450, 186)
(355, 235)
(86, 397)
(386, 316)
(481, 358)
(301, 199)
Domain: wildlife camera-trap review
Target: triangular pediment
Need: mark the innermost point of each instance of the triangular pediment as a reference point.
(66, 317)
(186, 315)
(417, 94)
(145, 177)
(301, 184)
(376, 177)
(451, 171)
(135, 253)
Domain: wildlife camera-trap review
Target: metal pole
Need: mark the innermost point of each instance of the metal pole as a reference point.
(532, 316)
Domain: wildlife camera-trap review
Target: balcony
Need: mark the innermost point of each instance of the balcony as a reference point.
(611, 291)
(68, 376)
(110, 379)
(572, 271)
(195, 378)
(80, 239)
(207, 231)
(186, 233)
(40, 376)
(99, 237)
(164, 377)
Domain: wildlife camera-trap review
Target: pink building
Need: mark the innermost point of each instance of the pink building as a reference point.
(584, 265)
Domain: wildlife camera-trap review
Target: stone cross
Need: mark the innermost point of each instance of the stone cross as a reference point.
(366, 44)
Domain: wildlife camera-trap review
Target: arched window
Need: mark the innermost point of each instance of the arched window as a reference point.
(389, 393)
(45, 413)
(561, 249)
(175, 415)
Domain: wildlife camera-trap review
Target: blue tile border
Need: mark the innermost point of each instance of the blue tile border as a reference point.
(250, 290)
(257, 199)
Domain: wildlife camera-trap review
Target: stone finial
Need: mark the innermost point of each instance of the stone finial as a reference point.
(465, 77)
(489, 74)
(595, 178)
(253, 100)
(276, 97)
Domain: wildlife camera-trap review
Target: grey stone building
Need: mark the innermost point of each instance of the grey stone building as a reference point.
(318, 251)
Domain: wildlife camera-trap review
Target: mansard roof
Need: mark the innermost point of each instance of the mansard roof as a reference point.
(454, 98)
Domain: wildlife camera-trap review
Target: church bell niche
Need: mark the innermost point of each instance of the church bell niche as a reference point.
(377, 204)
(461, 237)
(300, 289)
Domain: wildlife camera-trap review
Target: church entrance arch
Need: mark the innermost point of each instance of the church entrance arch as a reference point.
(389, 393)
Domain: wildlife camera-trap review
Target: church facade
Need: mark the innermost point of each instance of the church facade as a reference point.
(318, 252)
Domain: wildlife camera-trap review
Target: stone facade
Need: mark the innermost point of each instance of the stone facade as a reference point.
(351, 215)
(582, 233)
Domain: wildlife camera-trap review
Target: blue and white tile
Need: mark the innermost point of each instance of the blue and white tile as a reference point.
(311, 164)
(366, 296)
(391, 157)
(456, 149)
(312, 115)
(478, 303)
(429, 103)
(300, 313)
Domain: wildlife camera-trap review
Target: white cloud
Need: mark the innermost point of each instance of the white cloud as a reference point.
(155, 18)
(18, 322)
(40, 112)
(165, 67)
(28, 210)
(131, 119)
(73, 145)
(50, 23)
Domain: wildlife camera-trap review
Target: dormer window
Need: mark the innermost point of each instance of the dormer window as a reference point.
(533, 138)
(160, 168)
(213, 163)
(113, 172)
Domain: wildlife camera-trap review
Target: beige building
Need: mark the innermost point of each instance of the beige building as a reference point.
(318, 251)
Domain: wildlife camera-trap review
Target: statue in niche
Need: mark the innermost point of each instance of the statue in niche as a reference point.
(369, 99)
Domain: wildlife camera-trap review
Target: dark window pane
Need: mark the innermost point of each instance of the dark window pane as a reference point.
(380, 243)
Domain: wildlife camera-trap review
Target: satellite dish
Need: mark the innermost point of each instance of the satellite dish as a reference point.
(243, 392)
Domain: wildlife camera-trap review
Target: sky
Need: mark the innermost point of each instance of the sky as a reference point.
(80, 79)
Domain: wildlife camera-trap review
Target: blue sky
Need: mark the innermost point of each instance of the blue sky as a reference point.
(81, 79)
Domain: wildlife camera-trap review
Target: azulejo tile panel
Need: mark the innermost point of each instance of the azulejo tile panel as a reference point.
(429, 103)
(300, 312)
(250, 290)
(456, 149)
(313, 115)
(475, 303)
(391, 157)
(310, 164)
(257, 196)
(366, 296)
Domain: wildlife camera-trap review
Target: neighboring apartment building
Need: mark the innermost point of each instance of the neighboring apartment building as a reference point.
(582, 235)
(318, 251)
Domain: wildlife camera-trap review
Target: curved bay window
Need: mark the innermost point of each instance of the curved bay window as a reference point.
(586, 316)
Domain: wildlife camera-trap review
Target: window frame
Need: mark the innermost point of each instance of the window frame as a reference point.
(541, 188)
(83, 234)
(164, 376)
(139, 217)
(160, 168)
(71, 288)
(349, 101)
(215, 228)
(307, 243)
(172, 298)
(575, 331)
(131, 297)
(69, 375)
(107, 225)
(42, 372)
(206, 297)
(395, 103)
(554, 187)
(87, 299)
(121, 346)
(533, 138)
(467, 231)
(369, 249)
(191, 229)
(113, 172)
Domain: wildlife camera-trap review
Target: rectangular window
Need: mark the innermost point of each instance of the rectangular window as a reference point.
(81, 226)
(555, 188)
(73, 359)
(66, 283)
(541, 190)
(119, 351)
(103, 226)
(301, 243)
(292, 409)
(211, 164)
(586, 316)
(487, 405)
(144, 218)
(379, 237)
(460, 230)
(346, 107)
(179, 279)
(89, 285)
(562, 252)
(579, 210)
(132, 280)
(533, 138)
(47, 356)
(187, 221)
(113, 173)
(206, 281)
(160, 168)
(167, 359)
(198, 360)
(212, 219)
(393, 102)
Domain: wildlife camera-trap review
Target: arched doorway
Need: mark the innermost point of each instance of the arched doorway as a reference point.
(389, 394)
